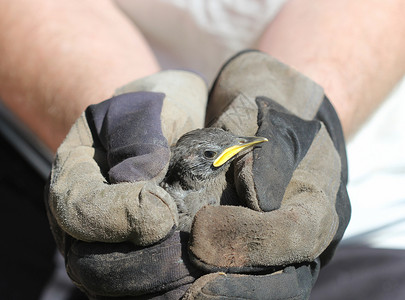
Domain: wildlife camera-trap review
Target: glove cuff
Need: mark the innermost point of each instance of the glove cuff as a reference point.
(252, 73)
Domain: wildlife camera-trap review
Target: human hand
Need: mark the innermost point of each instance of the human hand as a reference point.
(294, 185)
(111, 220)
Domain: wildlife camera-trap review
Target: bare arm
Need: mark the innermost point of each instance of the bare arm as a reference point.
(57, 57)
(354, 49)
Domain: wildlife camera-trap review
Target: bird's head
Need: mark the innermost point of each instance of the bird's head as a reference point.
(202, 154)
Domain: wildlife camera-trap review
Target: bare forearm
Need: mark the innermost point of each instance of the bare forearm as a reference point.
(60, 56)
(354, 49)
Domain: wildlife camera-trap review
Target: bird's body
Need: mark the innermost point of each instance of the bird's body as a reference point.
(189, 201)
(197, 170)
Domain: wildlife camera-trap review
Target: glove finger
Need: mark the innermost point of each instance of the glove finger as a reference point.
(129, 128)
(290, 283)
(237, 239)
(262, 176)
(89, 209)
(185, 100)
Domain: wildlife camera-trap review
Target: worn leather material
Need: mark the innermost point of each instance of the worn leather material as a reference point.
(132, 155)
(290, 283)
(292, 183)
(275, 162)
(110, 218)
(124, 269)
(303, 219)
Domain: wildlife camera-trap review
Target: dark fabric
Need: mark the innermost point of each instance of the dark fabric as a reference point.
(174, 294)
(359, 272)
(276, 160)
(129, 128)
(328, 116)
(123, 269)
(293, 283)
(27, 247)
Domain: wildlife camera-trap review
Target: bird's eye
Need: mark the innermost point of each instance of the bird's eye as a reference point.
(210, 154)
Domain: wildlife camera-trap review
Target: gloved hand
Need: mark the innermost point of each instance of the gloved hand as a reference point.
(297, 208)
(111, 220)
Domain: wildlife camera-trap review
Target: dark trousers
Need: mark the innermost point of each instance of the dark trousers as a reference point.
(359, 272)
(27, 246)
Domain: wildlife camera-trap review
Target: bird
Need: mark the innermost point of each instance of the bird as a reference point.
(197, 169)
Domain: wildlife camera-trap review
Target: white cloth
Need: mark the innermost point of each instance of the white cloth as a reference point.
(202, 34)
(377, 177)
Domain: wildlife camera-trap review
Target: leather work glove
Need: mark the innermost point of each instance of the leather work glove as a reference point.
(111, 220)
(294, 186)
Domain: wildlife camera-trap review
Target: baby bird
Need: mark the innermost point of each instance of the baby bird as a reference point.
(197, 169)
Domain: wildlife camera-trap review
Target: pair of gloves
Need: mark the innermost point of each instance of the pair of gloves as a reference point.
(116, 226)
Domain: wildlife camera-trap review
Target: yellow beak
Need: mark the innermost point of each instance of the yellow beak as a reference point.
(243, 143)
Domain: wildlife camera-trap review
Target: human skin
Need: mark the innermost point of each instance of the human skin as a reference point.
(354, 49)
(57, 57)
